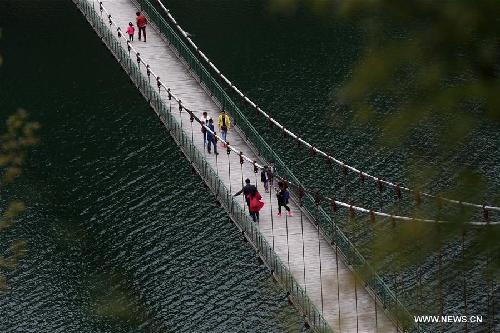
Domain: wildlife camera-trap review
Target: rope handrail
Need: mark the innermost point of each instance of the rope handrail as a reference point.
(248, 159)
(307, 144)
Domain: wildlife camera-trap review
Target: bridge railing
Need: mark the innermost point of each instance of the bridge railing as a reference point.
(330, 230)
(208, 174)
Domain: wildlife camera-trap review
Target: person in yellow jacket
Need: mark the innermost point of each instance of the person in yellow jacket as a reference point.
(224, 125)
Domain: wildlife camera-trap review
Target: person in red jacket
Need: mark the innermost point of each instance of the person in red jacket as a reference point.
(141, 24)
(255, 205)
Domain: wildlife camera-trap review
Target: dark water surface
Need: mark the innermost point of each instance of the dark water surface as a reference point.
(121, 236)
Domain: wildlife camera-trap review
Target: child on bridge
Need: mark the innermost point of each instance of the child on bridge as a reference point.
(130, 31)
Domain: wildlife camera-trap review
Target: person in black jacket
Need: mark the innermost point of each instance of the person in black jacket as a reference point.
(246, 190)
(283, 196)
(264, 177)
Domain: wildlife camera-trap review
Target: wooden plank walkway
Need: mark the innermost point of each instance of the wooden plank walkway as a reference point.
(346, 308)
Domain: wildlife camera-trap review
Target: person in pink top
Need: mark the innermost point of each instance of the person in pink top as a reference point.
(130, 31)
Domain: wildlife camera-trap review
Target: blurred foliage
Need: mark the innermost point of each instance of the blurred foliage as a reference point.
(19, 135)
(438, 63)
(116, 300)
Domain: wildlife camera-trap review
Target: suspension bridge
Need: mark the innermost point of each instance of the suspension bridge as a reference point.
(307, 253)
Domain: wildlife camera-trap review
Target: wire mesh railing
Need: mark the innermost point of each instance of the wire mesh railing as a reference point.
(330, 230)
(231, 205)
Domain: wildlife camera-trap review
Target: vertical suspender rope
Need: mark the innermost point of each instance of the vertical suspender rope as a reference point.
(205, 143)
(180, 112)
(191, 119)
(419, 289)
(380, 189)
(493, 287)
(344, 186)
(362, 187)
(317, 200)
(440, 278)
(376, 314)
(466, 328)
(334, 226)
(338, 282)
(397, 286)
(287, 245)
(301, 202)
(356, 297)
(255, 171)
(320, 272)
(216, 155)
(228, 150)
(241, 169)
(489, 298)
(272, 217)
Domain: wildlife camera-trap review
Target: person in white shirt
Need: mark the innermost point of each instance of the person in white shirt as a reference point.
(204, 121)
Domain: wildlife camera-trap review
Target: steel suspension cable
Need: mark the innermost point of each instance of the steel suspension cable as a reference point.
(272, 217)
(303, 242)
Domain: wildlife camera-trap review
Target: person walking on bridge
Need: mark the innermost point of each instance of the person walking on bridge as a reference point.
(224, 124)
(255, 205)
(271, 170)
(211, 137)
(141, 24)
(247, 190)
(264, 177)
(204, 122)
(130, 31)
(283, 196)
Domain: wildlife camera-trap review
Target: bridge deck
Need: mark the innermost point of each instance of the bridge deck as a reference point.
(174, 74)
